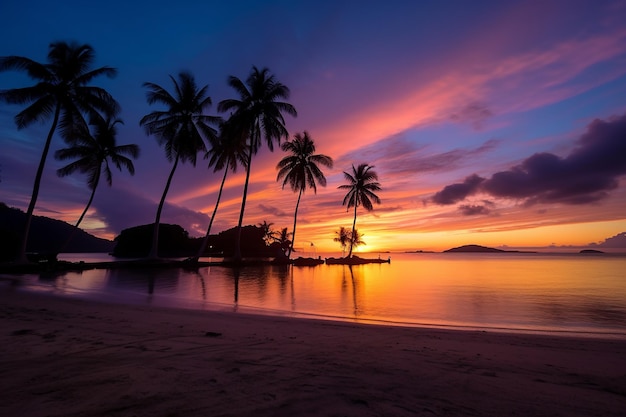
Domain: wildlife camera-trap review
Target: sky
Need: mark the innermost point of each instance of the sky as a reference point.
(500, 123)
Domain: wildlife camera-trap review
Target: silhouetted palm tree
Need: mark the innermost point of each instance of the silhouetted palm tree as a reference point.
(362, 183)
(94, 152)
(269, 235)
(343, 237)
(356, 238)
(181, 129)
(282, 238)
(62, 92)
(227, 153)
(257, 114)
(300, 169)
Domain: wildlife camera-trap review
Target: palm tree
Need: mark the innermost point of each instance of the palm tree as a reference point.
(181, 129)
(61, 91)
(93, 153)
(269, 235)
(300, 169)
(343, 237)
(362, 183)
(257, 114)
(227, 153)
(282, 238)
(356, 238)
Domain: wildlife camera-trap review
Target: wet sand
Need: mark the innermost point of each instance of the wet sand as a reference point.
(67, 357)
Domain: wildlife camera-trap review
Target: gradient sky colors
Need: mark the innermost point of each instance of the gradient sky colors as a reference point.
(488, 122)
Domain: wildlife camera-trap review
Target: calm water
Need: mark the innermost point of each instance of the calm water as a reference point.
(537, 292)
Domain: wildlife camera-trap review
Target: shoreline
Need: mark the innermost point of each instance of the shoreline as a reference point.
(72, 357)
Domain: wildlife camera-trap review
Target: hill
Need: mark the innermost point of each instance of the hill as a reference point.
(46, 235)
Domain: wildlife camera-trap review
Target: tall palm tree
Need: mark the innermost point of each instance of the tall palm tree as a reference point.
(182, 129)
(362, 184)
(94, 152)
(256, 114)
(227, 153)
(301, 170)
(61, 91)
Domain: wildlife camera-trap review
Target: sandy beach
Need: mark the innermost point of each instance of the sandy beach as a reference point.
(68, 357)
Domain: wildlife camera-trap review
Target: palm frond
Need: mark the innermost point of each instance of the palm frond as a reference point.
(34, 69)
(38, 111)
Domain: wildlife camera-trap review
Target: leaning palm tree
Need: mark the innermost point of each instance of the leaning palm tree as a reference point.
(182, 129)
(61, 92)
(227, 153)
(256, 114)
(301, 170)
(93, 153)
(362, 184)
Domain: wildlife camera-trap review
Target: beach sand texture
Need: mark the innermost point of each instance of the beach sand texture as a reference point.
(69, 357)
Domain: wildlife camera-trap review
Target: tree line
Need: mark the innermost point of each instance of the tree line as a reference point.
(86, 118)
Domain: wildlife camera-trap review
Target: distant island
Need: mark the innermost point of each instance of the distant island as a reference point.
(481, 249)
(590, 251)
(46, 236)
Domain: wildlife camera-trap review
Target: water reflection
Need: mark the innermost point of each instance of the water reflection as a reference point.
(146, 280)
(525, 291)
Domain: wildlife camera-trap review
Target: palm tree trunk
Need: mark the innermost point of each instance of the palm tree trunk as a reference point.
(154, 250)
(353, 228)
(205, 241)
(80, 219)
(295, 217)
(33, 199)
(237, 256)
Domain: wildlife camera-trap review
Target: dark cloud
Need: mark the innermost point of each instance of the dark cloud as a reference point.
(473, 209)
(617, 241)
(275, 211)
(586, 175)
(474, 114)
(457, 192)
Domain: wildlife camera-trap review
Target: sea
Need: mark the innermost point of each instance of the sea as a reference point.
(566, 293)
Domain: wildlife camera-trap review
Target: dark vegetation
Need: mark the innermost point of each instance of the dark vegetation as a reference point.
(174, 241)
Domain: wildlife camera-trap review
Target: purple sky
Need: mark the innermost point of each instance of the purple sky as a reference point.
(488, 122)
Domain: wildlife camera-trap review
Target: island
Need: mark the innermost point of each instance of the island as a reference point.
(480, 249)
